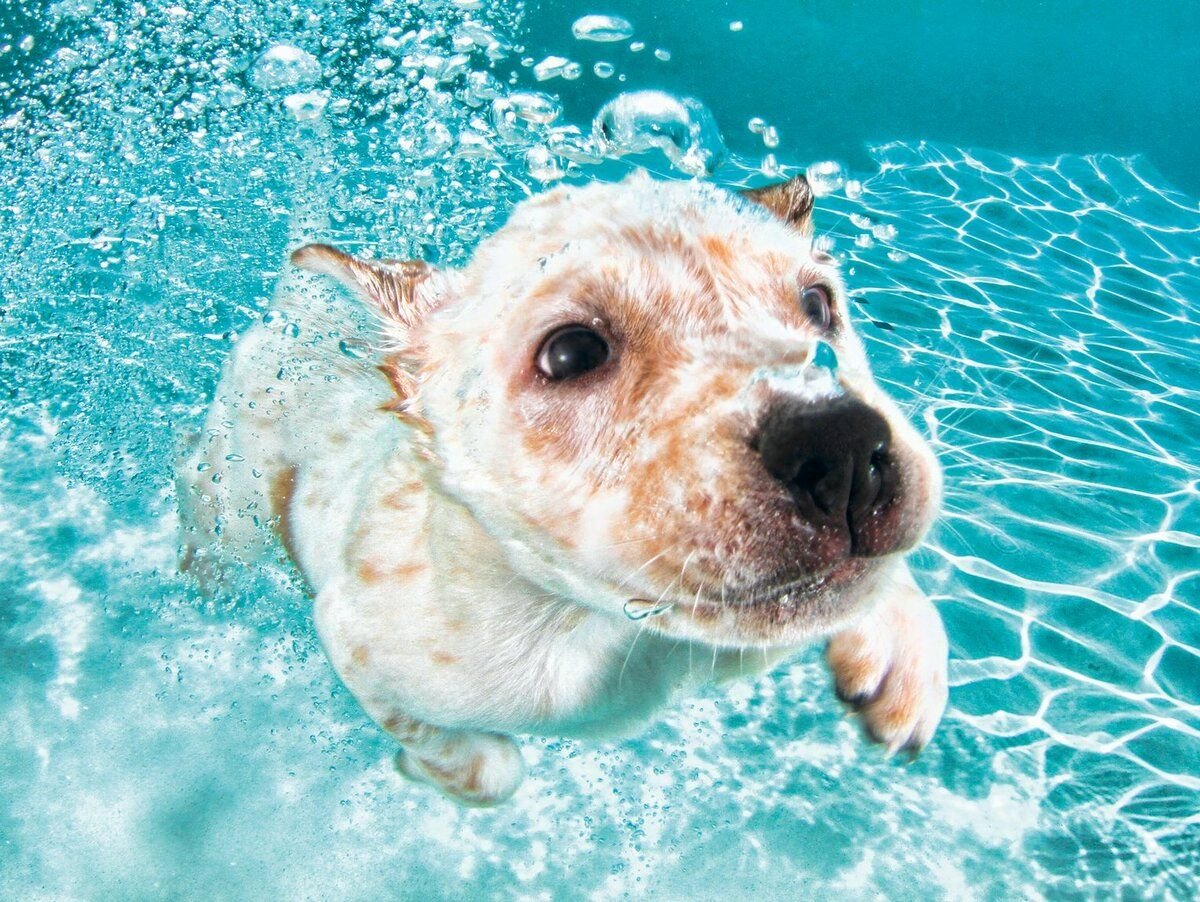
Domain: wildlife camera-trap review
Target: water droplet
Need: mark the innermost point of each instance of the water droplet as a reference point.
(353, 347)
(234, 458)
(292, 330)
(770, 137)
(603, 69)
(825, 177)
(641, 608)
(284, 66)
(736, 25)
(682, 128)
(602, 28)
(306, 106)
(661, 54)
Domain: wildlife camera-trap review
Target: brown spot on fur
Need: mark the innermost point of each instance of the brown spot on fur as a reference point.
(455, 626)
(360, 655)
(338, 439)
(407, 571)
(442, 657)
(282, 491)
(719, 249)
(369, 572)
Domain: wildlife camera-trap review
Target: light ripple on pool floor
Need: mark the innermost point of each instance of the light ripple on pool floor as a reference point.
(1036, 317)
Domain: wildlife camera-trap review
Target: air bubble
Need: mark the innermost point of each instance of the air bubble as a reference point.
(770, 137)
(825, 177)
(605, 29)
(543, 165)
(550, 67)
(757, 125)
(637, 46)
(284, 66)
(307, 106)
(661, 54)
(641, 608)
(854, 189)
(736, 25)
(682, 128)
(604, 70)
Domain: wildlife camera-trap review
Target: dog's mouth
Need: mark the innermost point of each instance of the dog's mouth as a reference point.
(767, 612)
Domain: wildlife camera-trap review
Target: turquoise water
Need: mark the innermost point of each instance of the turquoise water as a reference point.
(1034, 309)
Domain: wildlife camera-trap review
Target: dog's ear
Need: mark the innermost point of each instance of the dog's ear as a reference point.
(791, 201)
(402, 291)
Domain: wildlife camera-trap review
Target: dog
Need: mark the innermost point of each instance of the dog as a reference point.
(635, 433)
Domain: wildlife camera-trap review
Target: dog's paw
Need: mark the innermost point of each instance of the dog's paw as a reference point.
(477, 770)
(890, 668)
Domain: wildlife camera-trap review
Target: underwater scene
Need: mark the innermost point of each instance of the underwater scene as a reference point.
(1026, 288)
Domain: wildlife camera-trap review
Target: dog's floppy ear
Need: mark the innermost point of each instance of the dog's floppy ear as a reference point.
(791, 201)
(402, 291)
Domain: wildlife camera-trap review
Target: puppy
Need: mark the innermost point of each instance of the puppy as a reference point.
(633, 445)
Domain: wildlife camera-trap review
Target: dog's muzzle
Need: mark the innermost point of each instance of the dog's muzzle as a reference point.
(833, 456)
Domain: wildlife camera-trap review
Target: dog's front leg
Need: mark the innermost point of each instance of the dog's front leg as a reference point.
(890, 666)
(476, 769)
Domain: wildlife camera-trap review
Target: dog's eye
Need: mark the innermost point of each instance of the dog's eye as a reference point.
(817, 305)
(570, 352)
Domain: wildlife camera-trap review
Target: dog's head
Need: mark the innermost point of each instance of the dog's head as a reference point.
(651, 394)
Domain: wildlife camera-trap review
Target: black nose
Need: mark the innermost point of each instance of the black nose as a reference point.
(833, 456)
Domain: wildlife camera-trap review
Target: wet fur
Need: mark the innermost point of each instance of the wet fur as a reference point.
(472, 534)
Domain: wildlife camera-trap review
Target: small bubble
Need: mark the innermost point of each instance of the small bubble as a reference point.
(637, 46)
(641, 608)
(355, 348)
(897, 256)
(757, 125)
(604, 70)
(572, 71)
(854, 189)
(550, 67)
(543, 165)
(770, 137)
(825, 177)
(864, 240)
(736, 25)
(602, 28)
(664, 55)
(292, 330)
(770, 166)
(884, 232)
(284, 66)
(307, 106)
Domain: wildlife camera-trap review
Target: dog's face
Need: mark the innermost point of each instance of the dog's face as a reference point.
(651, 394)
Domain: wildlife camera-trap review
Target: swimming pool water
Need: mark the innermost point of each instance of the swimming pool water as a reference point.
(1037, 316)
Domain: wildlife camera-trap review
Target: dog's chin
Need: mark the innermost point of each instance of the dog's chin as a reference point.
(782, 611)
